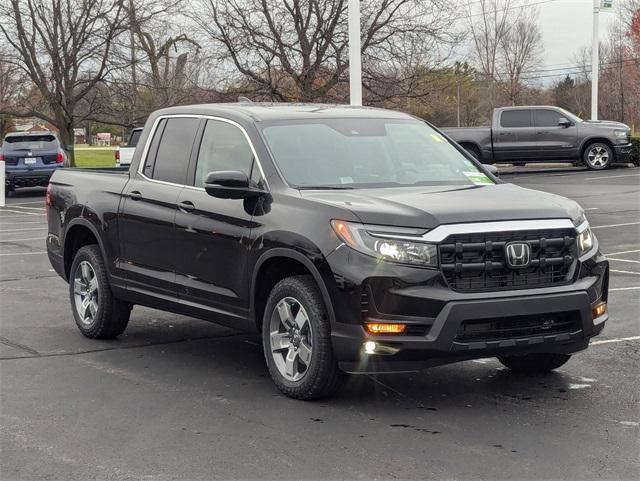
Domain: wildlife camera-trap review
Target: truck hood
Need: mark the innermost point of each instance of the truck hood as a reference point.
(610, 124)
(428, 207)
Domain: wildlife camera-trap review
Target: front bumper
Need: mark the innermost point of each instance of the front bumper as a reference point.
(622, 151)
(437, 316)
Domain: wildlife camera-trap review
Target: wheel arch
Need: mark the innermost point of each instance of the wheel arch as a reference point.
(276, 264)
(79, 233)
(593, 140)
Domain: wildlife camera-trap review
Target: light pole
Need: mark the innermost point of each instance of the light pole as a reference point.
(595, 60)
(355, 57)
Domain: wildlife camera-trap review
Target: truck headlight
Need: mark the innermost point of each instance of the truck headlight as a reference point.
(585, 240)
(620, 134)
(390, 244)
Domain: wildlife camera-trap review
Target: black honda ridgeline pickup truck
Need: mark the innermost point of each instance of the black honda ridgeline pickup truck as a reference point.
(356, 240)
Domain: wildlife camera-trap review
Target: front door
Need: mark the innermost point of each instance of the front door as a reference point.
(554, 141)
(213, 235)
(146, 222)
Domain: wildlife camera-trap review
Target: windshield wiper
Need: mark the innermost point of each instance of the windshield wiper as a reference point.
(324, 187)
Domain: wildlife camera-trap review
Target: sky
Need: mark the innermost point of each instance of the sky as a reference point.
(566, 28)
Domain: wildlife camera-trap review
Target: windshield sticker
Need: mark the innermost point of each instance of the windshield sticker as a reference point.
(478, 178)
(346, 180)
(438, 138)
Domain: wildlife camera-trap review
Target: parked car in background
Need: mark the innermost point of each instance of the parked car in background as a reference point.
(125, 154)
(544, 133)
(30, 158)
(355, 239)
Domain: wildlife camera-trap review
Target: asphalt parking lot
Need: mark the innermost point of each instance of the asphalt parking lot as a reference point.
(178, 398)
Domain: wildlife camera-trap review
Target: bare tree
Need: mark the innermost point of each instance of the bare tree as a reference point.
(520, 50)
(64, 47)
(298, 49)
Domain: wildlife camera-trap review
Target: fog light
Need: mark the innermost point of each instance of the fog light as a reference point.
(599, 309)
(385, 328)
(369, 347)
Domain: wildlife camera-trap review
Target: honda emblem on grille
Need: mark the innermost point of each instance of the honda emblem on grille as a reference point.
(518, 254)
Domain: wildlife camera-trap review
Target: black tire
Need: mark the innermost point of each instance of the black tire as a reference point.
(535, 363)
(473, 152)
(594, 156)
(322, 376)
(8, 190)
(111, 316)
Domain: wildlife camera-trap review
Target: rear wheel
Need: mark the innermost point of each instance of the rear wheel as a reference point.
(598, 156)
(296, 335)
(535, 363)
(472, 151)
(97, 313)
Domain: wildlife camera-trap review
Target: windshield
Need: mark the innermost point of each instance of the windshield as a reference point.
(366, 153)
(29, 142)
(570, 116)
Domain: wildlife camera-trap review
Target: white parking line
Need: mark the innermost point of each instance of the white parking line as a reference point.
(614, 225)
(611, 176)
(15, 206)
(624, 288)
(626, 272)
(620, 339)
(30, 202)
(20, 240)
(21, 230)
(21, 212)
(623, 260)
(622, 252)
(23, 253)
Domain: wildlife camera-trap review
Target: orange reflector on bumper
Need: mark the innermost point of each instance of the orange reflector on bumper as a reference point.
(385, 328)
(599, 309)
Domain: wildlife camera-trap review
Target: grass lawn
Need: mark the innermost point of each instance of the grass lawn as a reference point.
(95, 157)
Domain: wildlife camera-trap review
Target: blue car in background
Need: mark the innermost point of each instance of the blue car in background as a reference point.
(30, 158)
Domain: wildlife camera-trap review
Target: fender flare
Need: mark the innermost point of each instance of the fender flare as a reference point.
(306, 262)
(83, 222)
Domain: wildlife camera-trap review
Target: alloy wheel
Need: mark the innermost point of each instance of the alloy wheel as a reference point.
(598, 156)
(86, 292)
(291, 339)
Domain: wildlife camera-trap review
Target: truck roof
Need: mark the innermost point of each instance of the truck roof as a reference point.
(261, 111)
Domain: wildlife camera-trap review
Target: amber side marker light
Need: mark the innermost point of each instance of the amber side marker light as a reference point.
(385, 328)
(599, 309)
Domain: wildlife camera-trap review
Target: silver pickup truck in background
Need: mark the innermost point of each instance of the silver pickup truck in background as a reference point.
(544, 133)
(125, 154)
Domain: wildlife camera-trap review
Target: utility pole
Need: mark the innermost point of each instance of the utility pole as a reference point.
(355, 57)
(458, 99)
(595, 60)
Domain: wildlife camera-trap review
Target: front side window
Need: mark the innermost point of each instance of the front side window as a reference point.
(515, 118)
(174, 150)
(366, 153)
(546, 118)
(223, 147)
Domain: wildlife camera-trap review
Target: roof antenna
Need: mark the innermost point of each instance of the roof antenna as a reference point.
(245, 100)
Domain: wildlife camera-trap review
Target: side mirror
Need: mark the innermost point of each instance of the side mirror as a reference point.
(564, 122)
(492, 169)
(230, 184)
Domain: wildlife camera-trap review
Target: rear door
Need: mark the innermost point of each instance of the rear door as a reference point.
(554, 141)
(146, 223)
(212, 234)
(516, 136)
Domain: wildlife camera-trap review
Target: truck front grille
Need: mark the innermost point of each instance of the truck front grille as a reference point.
(476, 262)
(518, 327)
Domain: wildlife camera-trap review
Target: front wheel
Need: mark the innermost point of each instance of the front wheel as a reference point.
(535, 363)
(598, 156)
(296, 335)
(98, 314)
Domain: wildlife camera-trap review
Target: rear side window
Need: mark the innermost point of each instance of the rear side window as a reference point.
(133, 139)
(174, 150)
(546, 118)
(515, 118)
(29, 142)
(223, 147)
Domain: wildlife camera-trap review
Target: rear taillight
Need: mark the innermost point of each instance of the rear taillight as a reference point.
(1, 157)
(117, 155)
(47, 199)
(60, 157)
